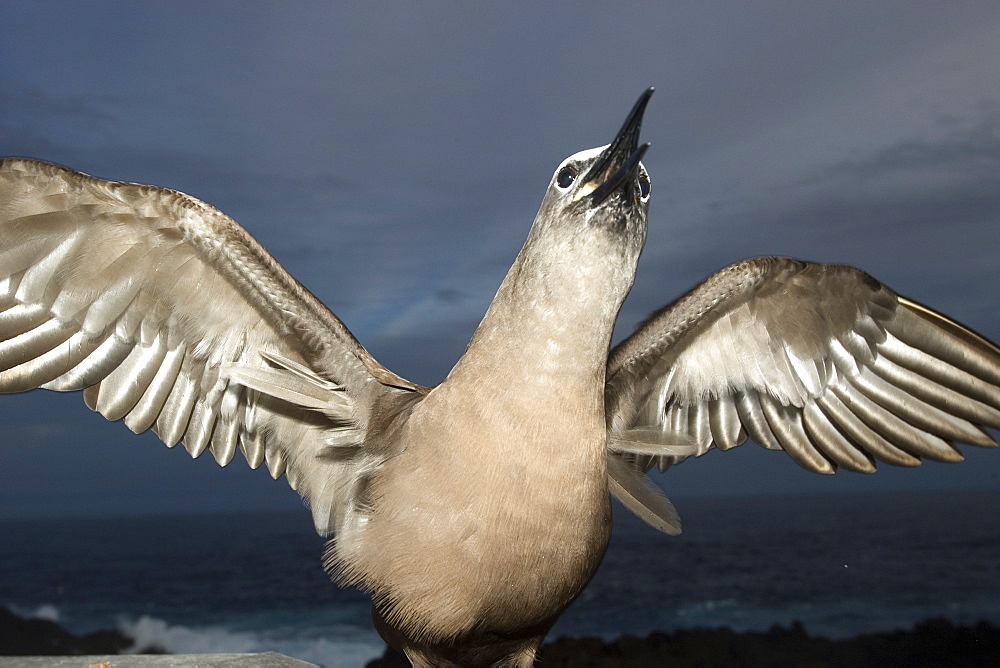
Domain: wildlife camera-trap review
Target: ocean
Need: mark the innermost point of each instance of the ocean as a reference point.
(840, 564)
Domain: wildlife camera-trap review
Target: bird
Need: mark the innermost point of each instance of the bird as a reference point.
(474, 512)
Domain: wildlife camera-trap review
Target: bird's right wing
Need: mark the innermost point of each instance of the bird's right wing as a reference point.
(172, 318)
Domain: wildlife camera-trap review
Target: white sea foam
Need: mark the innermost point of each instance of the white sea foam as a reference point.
(149, 632)
(331, 652)
(49, 612)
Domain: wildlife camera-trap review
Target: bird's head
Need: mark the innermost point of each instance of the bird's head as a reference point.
(604, 188)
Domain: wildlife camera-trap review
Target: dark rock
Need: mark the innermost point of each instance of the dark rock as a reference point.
(934, 642)
(33, 637)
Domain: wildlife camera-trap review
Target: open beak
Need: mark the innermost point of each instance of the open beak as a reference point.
(619, 162)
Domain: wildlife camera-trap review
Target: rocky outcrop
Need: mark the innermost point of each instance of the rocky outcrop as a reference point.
(935, 642)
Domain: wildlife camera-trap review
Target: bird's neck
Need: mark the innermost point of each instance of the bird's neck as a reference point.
(546, 335)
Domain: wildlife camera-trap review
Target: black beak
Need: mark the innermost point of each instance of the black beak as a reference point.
(619, 162)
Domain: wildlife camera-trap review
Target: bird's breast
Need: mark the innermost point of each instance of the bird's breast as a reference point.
(496, 513)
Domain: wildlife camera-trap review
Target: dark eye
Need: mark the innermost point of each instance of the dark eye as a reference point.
(643, 186)
(566, 177)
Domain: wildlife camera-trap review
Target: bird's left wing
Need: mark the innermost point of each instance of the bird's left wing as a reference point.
(172, 318)
(821, 361)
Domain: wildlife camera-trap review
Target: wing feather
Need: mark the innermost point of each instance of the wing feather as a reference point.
(143, 415)
(833, 443)
(724, 421)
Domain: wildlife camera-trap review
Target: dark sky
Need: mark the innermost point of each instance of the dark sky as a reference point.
(392, 157)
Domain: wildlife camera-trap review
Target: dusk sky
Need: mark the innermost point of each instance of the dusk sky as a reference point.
(392, 157)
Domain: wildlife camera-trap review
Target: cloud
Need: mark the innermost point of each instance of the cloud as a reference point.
(965, 157)
(33, 122)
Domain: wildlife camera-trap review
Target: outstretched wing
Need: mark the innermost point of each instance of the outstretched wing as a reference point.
(821, 361)
(171, 317)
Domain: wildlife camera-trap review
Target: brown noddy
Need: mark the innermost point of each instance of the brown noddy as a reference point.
(475, 511)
